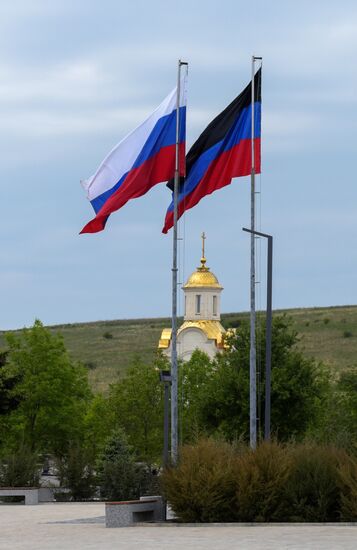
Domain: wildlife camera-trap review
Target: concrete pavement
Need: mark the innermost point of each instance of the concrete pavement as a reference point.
(80, 526)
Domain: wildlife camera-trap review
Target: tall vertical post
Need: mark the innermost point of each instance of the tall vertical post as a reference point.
(166, 424)
(252, 356)
(174, 368)
(165, 378)
(268, 330)
(268, 340)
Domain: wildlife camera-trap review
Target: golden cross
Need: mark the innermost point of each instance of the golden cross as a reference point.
(203, 244)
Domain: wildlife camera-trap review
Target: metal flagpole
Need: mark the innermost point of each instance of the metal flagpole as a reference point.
(252, 361)
(174, 369)
(268, 331)
(268, 340)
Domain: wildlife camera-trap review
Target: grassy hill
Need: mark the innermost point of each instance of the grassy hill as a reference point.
(108, 347)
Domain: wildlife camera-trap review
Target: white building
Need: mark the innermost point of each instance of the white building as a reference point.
(201, 328)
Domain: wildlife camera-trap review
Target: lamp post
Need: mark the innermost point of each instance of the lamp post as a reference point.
(268, 330)
(165, 378)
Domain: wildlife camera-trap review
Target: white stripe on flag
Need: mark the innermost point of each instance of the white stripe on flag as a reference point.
(122, 157)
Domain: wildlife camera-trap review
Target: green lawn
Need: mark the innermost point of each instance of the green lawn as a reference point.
(329, 334)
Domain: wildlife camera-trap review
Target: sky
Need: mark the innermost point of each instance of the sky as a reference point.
(76, 77)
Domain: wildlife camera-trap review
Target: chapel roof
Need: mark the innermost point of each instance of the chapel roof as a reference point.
(212, 329)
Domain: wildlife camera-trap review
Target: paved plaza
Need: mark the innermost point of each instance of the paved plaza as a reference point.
(80, 526)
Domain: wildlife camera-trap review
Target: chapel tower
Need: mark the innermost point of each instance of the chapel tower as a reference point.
(202, 328)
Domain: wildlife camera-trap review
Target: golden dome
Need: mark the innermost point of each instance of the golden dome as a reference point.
(202, 277)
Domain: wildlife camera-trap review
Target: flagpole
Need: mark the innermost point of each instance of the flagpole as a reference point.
(252, 358)
(174, 367)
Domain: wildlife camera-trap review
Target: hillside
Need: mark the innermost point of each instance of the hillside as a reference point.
(108, 347)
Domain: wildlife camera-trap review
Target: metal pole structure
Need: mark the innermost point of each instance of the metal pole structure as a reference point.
(252, 355)
(268, 331)
(268, 340)
(166, 424)
(174, 373)
(165, 378)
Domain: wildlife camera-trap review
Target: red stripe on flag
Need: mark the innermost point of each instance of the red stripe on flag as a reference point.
(157, 169)
(234, 163)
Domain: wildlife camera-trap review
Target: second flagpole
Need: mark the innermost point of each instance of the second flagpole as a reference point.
(174, 364)
(252, 361)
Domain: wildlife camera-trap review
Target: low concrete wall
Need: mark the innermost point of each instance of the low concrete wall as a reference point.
(30, 493)
(126, 513)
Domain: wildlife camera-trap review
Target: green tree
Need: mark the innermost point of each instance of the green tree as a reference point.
(76, 471)
(338, 416)
(8, 401)
(195, 377)
(52, 391)
(20, 468)
(137, 405)
(99, 423)
(347, 393)
(299, 385)
(119, 476)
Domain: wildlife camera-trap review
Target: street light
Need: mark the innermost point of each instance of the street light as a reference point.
(268, 330)
(166, 379)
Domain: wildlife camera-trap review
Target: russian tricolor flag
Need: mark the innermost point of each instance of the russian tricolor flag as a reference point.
(142, 159)
(222, 152)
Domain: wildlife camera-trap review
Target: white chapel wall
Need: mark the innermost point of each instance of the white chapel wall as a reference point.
(206, 304)
(190, 339)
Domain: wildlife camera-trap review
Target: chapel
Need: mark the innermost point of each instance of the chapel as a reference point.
(201, 328)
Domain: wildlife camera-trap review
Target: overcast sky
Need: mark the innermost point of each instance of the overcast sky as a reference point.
(76, 76)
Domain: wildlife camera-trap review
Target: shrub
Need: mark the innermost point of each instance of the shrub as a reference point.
(119, 476)
(20, 468)
(309, 483)
(107, 335)
(347, 472)
(347, 334)
(201, 488)
(312, 491)
(261, 477)
(326, 321)
(76, 472)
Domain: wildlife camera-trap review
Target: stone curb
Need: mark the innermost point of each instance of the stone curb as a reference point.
(253, 524)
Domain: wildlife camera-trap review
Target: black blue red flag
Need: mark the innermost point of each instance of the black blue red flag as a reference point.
(222, 152)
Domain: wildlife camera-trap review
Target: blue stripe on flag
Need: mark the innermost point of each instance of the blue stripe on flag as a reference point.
(162, 135)
(240, 130)
(99, 201)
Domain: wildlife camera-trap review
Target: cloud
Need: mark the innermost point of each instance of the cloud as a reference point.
(77, 83)
(31, 8)
(289, 130)
(41, 124)
(75, 77)
(314, 50)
